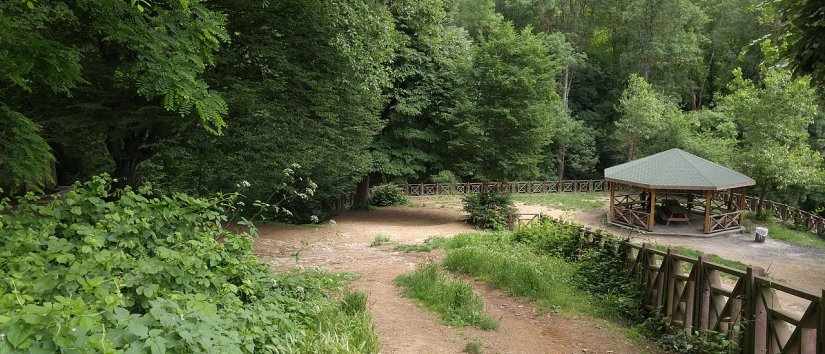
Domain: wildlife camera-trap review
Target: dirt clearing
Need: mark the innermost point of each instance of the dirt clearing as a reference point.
(404, 327)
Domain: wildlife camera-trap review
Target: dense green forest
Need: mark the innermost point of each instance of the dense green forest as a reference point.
(310, 98)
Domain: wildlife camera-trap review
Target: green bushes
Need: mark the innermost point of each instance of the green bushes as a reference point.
(387, 195)
(489, 210)
(550, 237)
(135, 271)
(452, 299)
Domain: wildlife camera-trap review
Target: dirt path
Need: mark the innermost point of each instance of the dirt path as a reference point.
(402, 326)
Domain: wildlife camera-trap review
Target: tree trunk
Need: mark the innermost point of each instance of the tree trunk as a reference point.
(361, 200)
(127, 152)
(763, 192)
(562, 160)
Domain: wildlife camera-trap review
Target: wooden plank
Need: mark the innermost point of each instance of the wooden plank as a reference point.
(651, 221)
(773, 284)
(725, 269)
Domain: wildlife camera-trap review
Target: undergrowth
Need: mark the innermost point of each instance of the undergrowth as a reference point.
(548, 262)
(133, 271)
(489, 210)
(453, 300)
(427, 246)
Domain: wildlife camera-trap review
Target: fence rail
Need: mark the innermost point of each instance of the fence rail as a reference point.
(783, 212)
(690, 294)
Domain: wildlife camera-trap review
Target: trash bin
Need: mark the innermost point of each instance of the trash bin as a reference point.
(760, 234)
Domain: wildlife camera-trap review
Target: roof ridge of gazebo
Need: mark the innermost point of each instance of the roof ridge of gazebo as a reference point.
(686, 157)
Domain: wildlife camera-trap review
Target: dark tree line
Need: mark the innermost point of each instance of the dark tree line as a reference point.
(198, 96)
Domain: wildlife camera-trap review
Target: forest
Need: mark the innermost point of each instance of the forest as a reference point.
(281, 96)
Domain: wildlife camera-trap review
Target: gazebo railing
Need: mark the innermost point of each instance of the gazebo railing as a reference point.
(783, 212)
(725, 221)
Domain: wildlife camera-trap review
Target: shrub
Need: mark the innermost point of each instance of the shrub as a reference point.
(453, 300)
(550, 237)
(387, 195)
(489, 210)
(675, 340)
(380, 240)
(136, 271)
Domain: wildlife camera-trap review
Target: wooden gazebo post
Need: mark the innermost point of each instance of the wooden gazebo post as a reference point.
(651, 218)
(708, 207)
(612, 200)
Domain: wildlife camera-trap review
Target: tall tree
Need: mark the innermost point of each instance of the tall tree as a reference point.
(773, 119)
(304, 81)
(427, 72)
(122, 68)
(506, 132)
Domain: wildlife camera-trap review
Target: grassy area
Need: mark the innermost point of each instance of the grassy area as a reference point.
(452, 299)
(517, 270)
(709, 257)
(796, 237)
(427, 246)
(566, 201)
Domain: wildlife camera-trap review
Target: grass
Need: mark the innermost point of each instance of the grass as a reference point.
(473, 347)
(566, 201)
(453, 300)
(796, 237)
(518, 270)
(708, 257)
(380, 240)
(427, 246)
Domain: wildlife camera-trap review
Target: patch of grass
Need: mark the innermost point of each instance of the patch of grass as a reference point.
(473, 347)
(709, 257)
(380, 240)
(782, 232)
(428, 245)
(518, 270)
(347, 328)
(565, 201)
(452, 299)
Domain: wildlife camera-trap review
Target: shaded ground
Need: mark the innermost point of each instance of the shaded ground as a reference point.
(402, 326)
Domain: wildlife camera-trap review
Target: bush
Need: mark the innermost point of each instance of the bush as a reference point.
(136, 271)
(387, 195)
(675, 340)
(489, 210)
(550, 237)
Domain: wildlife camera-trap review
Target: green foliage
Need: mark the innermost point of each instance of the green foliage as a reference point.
(773, 120)
(789, 234)
(452, 299)
(505, 133)
(25, 158)
(550, 237)
(473, 347)
(305, 83)
(445, 176)
(802, 31)
(518, 270)
(675, 340)
(387, 195)
(489, 210)
(137, 271)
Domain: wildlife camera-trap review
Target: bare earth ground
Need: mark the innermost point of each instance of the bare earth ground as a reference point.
(404, 327)
(798, 266)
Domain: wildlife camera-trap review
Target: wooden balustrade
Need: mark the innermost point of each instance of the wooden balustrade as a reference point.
(696, 295)
(784, 212)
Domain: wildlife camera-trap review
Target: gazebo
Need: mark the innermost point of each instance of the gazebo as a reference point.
(670, 192)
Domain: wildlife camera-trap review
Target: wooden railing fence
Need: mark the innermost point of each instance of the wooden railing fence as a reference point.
(783, 212)
(698, 296)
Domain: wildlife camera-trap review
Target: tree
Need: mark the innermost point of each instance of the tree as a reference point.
(427, 72)
(803, 32)
(505, 133)
(648, 118)
(25, 158)
(773, 119)
(124, 68)
(304, 81)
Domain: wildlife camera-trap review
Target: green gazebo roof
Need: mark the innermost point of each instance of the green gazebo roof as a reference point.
(676, 169)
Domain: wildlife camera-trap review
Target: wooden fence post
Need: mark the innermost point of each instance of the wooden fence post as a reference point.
(749, 317)
(698, 298)
(672, 272)
(760, 319)
(820, 329)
